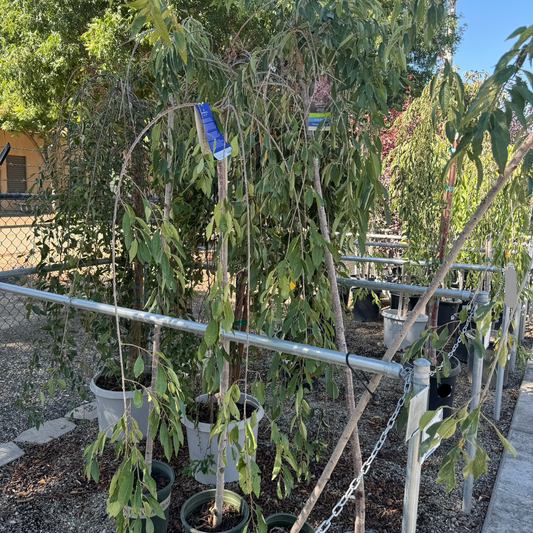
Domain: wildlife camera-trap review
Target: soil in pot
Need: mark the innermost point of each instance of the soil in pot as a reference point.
(202, 518)
(196, 513)
(207, 412)
(112, 382)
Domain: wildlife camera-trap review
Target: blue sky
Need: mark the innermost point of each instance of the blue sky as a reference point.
(489, 23)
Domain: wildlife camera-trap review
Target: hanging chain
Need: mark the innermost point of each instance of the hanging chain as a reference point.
(471, 310)
(324, 526)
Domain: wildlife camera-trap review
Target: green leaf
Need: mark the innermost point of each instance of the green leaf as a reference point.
(478, 465)
(164, 438)
(499, 141)
(446, 473)
(506, 444)
(149, 525)
(138, 367)
(444, 97)
(137, 398)
(450, 131)
(211, 333)
(426, 418)
(160, 382)
(156, 507)
(125, 490)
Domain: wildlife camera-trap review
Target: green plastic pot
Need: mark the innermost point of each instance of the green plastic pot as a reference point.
(230, 498)
(286, 521)
(163, 497)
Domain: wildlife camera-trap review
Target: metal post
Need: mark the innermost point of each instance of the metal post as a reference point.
(477, 370)
(521, 322)
(500, 369)
(412, 478)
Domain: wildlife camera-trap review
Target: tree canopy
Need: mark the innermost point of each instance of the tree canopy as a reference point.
(47, 46)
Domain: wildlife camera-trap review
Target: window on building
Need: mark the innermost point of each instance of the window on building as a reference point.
(16, 173)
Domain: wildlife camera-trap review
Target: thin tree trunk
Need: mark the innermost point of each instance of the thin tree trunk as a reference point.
(443, 241)
(149, 452)
(222, 169)
(340, 340)
(389, 354)
(148, 455)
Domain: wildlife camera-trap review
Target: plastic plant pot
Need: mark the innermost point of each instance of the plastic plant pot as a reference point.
(230, 498)
(442, 390)
(286, 521)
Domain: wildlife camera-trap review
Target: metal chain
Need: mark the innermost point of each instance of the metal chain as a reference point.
(324, 526)
(469, 318)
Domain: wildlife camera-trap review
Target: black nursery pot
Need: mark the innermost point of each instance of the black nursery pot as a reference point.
(442, 394)
(365, 309)
(447, 315)
(395, 301)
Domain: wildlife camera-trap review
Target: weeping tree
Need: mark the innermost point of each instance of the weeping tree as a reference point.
(294, 195)
(424, 133)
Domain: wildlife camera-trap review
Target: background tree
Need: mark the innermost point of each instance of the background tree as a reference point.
(47, 46)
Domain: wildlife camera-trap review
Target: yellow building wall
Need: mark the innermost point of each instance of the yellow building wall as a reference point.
(21, 145)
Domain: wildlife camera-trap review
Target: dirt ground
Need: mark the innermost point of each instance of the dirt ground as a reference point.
(45, 490)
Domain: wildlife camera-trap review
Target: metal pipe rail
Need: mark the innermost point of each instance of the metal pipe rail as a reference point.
(358, 362)
(402, 287)
(392, 261)
(18, 272)
(380, 244)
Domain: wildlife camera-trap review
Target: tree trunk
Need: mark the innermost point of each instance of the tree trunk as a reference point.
(340, 340)
(222, 169)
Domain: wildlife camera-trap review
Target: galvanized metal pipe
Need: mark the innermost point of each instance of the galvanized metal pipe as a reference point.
(477, 371)
(18, 272)
(500, 369)
(393, 261)
(421, 368)
(380, 244)
(261, 341)
(404, 288)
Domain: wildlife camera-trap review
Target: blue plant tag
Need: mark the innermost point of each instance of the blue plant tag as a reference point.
(217, 144)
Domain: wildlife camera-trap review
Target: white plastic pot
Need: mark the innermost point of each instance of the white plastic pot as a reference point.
(392, 324)
(110, 407)
(200, 446)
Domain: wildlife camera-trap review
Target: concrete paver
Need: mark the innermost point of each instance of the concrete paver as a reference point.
(9, 451)
(86, 411)
(48, 431)
(511, 503)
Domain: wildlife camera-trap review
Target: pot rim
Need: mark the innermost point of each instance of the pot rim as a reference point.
(205, 427)
(208, 494)
(392, 314)
(110, 394)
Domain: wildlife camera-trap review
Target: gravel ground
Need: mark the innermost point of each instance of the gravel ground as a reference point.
(45, 490)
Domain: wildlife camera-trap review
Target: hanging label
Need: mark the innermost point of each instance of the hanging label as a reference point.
(510, 292)
(319, 114)
(208, 132)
